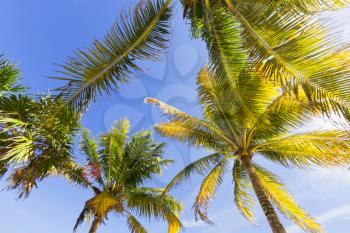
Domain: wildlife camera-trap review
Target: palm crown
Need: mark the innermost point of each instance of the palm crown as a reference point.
(245, 117)
(36, 139)
(116, 171)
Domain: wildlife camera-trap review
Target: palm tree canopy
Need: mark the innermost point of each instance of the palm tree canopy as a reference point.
(117, 168)
(141, 34)
(251, 116)
(285, 40)
(9, 76)
(36, 139)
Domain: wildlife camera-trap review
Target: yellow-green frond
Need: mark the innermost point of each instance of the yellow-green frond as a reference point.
(183, 124)
(284, 201)
(191, 135)
(327, 148)
(208, 189)
(292, 49)
(135, 226)
(199, 166)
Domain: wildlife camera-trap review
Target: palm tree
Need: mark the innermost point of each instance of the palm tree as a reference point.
(117, 168)
(247, 118)
(140, 35)
(36, 139)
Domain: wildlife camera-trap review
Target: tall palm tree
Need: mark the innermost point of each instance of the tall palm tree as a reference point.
(247, 118)
(36, 139)
(141, 34)
(117, 168)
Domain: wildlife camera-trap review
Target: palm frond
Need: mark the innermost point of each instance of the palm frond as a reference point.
(148, 202)
(183, 126)
(291, 47)
(135, 226)
(243, 199)
(327, 148)
(112, 144)
(81, 218)
(283, 113)
(142, 35)
(199, 166)
(89, 146)
(142, 159)
(208, 189)
(224, 43)
(9, 75)
(284, 201)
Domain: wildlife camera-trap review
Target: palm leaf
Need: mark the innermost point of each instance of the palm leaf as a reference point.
(291, 47)
(143, 35)
(149, 203)
(208, 189)
(328, 148)
(89, 146)
(9, 76)
(135, 226)
(284, 201)
(182, 126)
(112, 144)
(199, 166)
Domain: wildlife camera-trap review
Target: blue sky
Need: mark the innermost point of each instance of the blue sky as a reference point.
(38, 33)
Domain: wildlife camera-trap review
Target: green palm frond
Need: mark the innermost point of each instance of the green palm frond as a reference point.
(151, 202)
(9, 76)
(82, 217)
(109, 62)
(199, 166)
(19, 149)
(291, 47)
(282, 114)
(304, 7)
(208, 189)
(135, 226)
(328, 148)
(112, 144)
(284, 201)
(243, 199)
(142, 167)
(223, 40)
(89, 146)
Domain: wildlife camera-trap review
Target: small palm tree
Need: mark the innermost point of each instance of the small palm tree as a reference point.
(116, 171)
(36, 139)
(247, 118)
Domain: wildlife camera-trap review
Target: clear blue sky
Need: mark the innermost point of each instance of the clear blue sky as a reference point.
(38, 33)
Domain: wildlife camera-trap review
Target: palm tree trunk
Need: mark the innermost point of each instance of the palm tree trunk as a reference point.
(265, 203)
(95, 224)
